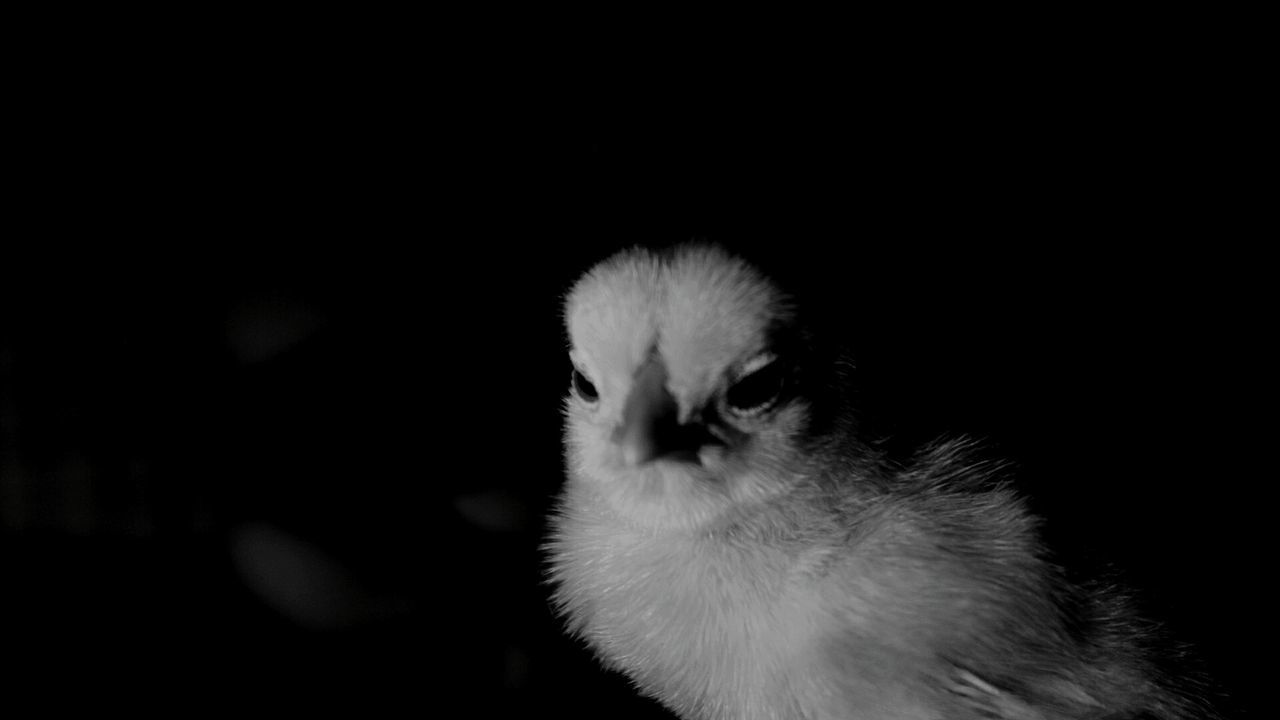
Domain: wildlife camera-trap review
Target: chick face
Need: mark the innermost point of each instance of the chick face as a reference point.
(684, 403)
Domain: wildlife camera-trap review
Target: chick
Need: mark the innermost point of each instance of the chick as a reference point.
(726, 540)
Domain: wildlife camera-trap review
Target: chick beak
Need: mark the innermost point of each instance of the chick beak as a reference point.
(651, 427)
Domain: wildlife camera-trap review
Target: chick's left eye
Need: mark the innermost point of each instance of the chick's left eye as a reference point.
(757, 391)
(583, 387)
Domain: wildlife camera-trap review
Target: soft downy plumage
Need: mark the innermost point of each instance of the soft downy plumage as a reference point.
(727, 541)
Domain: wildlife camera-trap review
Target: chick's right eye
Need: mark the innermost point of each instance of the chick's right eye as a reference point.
(583, 387)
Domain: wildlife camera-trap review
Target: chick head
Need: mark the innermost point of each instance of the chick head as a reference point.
(688, 397)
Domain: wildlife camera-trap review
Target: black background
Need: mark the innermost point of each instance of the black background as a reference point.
(1044, 245)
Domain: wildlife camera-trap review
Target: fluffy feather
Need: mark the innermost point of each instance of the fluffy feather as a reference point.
(769, 565)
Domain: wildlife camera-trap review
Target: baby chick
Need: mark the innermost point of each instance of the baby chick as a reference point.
(726, 540)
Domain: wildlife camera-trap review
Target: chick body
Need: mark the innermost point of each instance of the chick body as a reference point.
(754, 560)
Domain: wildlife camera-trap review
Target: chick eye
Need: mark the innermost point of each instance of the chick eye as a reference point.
(583, 387)
(756, 391)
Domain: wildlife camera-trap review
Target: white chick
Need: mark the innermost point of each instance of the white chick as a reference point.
(726, 541)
